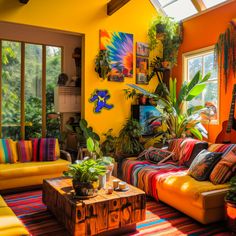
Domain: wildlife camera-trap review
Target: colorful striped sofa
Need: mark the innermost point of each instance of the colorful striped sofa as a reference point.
(169, 182)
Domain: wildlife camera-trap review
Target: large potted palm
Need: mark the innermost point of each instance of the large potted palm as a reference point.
(179, 121)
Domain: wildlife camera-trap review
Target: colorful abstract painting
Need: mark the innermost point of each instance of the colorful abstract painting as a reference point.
(120, 48)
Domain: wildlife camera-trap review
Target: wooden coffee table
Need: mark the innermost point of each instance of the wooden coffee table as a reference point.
(105, 214)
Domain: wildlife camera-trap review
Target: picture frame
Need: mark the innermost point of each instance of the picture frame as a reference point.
(142, 70)
(142, 49)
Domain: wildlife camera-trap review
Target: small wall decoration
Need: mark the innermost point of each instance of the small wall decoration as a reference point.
(100, 97)
(142, 65)
(120, 47)
(142, 49)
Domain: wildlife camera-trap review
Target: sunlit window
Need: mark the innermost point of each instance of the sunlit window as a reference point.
(203, 61)
(185, 9)
(211, 3)
(181, 9)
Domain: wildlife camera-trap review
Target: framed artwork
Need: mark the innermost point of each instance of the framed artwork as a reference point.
(142, 49)
(143, 113)
(120, 49)
(142, 67)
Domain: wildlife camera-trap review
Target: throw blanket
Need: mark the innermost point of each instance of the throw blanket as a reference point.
(145, 175)
(188, 185)
(225, 148)
(186, 150)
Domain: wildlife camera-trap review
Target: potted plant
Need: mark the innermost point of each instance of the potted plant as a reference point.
(165, 30)
(179, 122)
(128, 139)
(108, 162)
(108, 145)
(85, 176)
(230, 205)
(103, 64)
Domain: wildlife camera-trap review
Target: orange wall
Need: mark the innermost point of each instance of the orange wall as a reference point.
(203, 31)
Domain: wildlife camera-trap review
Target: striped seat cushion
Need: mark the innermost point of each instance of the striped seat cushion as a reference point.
(225, 168)
(24, 150)
(44, 149)
(7, 153)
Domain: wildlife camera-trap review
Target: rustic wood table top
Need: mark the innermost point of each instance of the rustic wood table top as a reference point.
(103, 214)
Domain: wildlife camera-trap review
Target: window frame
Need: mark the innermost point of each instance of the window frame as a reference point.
(197, 53)
(44, 61)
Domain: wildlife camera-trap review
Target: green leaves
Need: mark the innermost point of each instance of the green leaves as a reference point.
(86, 171)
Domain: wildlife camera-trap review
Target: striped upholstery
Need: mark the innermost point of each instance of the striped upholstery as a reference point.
(174, 146)
(24, 150)
(44, 149)
(225, 168)
(225, 148)
(145, 175)
(6, 151)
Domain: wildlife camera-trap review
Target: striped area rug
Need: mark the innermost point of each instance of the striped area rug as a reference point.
(160, 219)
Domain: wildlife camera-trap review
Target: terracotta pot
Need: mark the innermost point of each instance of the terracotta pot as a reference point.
(142, 100)
(84, 188)
(166, 64)
(230, 211)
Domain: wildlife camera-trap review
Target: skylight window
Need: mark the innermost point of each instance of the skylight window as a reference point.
(181, 9)
(211, 3)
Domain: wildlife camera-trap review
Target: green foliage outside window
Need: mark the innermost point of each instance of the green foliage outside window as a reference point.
(11, 89)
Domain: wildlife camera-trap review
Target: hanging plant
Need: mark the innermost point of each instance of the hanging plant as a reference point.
(168, 32)
(225, 52)
(103, 64)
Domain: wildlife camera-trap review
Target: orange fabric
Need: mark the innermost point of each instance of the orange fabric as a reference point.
(224, 169)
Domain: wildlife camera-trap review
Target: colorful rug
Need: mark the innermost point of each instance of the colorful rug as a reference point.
(160, 219)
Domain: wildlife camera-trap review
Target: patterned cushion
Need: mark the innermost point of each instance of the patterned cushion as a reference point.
(225, 168)
(224, 148)
(155, 155)
(174, 146)
(14, 151)
(24, 150)
(203, 164)
(198, 147)
(44, 149)
(6, 151)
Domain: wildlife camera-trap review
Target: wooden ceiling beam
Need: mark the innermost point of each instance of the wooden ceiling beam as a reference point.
(115, 5)
(199, 5)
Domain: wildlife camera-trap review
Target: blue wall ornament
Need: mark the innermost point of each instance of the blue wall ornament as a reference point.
(100, 97)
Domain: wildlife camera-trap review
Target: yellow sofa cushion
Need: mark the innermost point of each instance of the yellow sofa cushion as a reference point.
(27, 169)
(2, 202)
(10, 224)
(188, 186)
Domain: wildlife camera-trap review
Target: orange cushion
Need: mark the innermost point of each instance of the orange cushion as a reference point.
(224, 169)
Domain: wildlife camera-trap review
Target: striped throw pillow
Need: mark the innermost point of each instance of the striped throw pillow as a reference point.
(44, 149)
(224, 169)
(6, 151)
(24, 150)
